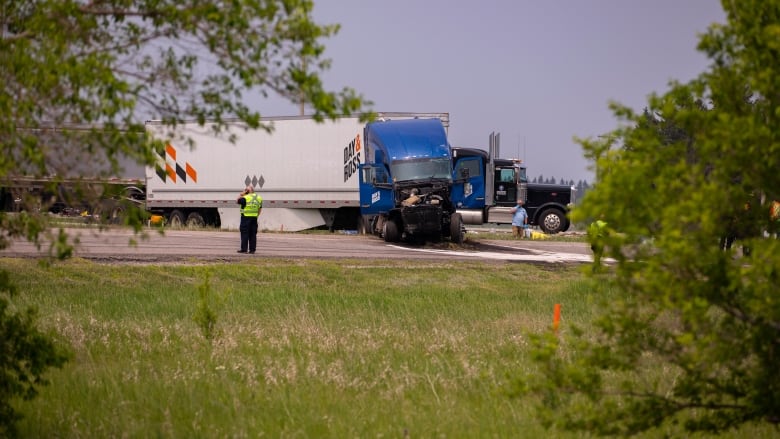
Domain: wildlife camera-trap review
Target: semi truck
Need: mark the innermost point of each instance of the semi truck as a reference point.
(98, 199)
(486, 188)
(74, 181)
(406, 181)
(306, 172)
(397, 177)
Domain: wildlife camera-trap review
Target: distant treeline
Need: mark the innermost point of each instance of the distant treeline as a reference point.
(581, 185)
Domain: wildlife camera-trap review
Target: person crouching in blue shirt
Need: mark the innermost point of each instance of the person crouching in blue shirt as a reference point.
(519, 219)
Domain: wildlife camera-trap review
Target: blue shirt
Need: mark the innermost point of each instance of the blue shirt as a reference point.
(520, 216)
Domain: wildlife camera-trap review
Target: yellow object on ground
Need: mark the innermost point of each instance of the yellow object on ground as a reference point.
(156, 219)
(538, 235)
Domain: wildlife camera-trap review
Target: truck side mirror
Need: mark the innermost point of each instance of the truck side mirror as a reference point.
(464, 172)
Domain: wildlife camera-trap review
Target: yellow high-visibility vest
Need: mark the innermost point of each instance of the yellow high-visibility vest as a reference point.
(253, 205)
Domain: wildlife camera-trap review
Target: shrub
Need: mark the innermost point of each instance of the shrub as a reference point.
(25, 355)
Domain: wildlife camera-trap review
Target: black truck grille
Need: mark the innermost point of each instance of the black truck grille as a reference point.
(423, 219)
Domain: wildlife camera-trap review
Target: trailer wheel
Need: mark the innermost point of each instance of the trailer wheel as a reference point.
(195, 219)
(176, 219)
(390, 231)
(456, 228)
(116, 214)
(552, 221)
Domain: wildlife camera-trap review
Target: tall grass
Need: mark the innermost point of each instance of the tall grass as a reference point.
(300, 348)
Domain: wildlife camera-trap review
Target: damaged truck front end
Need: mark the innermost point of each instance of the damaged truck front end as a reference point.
(406, 181)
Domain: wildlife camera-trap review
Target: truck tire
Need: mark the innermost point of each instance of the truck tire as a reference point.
(108, 212)
(116, 214)
(552, 221)
(176, 219)
(195, 219)
(456, 228)
(390, 231)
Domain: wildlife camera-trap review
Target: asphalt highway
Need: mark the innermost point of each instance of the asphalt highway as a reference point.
(119, 244)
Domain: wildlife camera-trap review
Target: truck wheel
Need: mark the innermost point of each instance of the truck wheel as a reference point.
(456, 228)
(552, 221)
(195, 219)
(566, 225)
(176, 219)
(390, 231)
(116, 214)
(108, 211)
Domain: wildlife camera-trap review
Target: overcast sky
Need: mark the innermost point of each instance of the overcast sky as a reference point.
(538, 72)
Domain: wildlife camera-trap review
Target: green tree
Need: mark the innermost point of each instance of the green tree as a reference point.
(694, 340)
(79, 78)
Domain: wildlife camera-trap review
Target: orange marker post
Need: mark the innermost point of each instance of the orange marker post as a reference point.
(556, 317)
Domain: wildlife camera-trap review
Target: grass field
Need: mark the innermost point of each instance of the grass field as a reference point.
(301, 348)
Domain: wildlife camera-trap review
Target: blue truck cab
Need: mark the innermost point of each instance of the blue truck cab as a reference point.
(406, 180)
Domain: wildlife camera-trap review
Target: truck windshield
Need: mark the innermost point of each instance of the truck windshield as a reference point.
(421, 169)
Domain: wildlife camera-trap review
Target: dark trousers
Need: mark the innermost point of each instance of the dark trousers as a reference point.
(248, 229)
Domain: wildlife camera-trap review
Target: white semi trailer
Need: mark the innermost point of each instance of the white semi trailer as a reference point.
(306, 172)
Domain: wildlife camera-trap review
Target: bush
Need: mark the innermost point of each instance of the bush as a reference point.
(25, 354)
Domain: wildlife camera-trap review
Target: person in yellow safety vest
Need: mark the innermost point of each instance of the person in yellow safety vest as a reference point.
(774, 216)
(597, 231)
(251, 206)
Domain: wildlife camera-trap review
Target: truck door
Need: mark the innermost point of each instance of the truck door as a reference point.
(468, 189)
(506, 186)
(376, 190)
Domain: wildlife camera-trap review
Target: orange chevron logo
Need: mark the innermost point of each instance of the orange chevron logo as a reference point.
(172, 170)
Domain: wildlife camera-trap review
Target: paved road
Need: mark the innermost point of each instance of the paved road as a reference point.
(182, 245)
